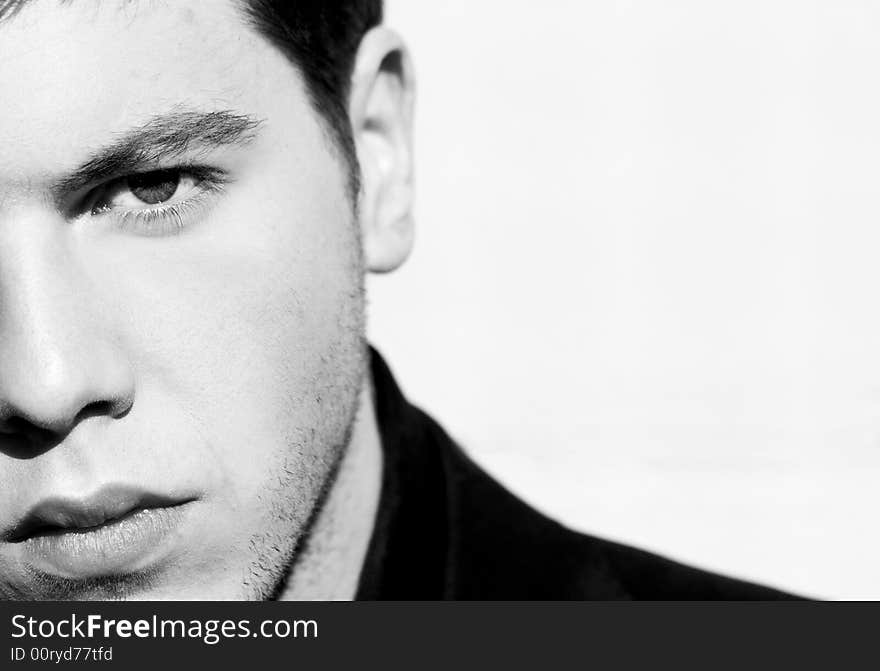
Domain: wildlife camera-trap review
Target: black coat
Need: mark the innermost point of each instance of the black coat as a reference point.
(446, 530)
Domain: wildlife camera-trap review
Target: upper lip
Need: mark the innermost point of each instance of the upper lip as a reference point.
(53, 515)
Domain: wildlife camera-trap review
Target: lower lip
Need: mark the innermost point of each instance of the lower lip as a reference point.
(122, 546)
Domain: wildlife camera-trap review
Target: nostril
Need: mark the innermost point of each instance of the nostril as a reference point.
(24, 436)
(23, 428)
(17, 446)
(21, 439)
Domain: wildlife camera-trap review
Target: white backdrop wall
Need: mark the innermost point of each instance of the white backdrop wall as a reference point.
(644, 286)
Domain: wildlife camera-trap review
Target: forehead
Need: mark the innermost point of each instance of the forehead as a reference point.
(72, 73)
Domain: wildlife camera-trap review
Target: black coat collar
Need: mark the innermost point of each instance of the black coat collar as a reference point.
(446, 530)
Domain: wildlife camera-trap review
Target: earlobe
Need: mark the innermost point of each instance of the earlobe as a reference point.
(381, 110)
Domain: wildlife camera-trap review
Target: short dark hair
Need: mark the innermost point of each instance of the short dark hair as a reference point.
(321, 37)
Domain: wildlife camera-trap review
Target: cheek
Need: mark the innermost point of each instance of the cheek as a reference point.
(246, 332)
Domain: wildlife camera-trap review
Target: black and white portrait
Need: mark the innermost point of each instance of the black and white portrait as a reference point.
(375, 300)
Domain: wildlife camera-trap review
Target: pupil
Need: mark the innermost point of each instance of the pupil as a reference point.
(154, 187)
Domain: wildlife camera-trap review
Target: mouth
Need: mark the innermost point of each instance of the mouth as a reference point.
(115, 531)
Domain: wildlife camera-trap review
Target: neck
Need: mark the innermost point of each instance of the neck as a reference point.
(330, 564)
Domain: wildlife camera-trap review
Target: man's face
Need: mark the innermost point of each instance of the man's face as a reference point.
(189, 340)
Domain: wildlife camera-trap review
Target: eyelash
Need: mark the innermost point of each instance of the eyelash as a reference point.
(167, 218)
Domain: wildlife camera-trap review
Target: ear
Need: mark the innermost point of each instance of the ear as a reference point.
(381, 112)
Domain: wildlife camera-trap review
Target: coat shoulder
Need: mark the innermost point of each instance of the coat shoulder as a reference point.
(502, 548)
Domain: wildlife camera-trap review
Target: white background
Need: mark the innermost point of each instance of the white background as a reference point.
(644, 290)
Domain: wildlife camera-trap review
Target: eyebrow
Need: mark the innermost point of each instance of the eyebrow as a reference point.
(161, 138)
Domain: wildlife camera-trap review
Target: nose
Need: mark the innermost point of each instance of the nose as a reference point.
(59, 361)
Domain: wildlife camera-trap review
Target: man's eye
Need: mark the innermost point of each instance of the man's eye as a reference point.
(159, 202)
(146, 190)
